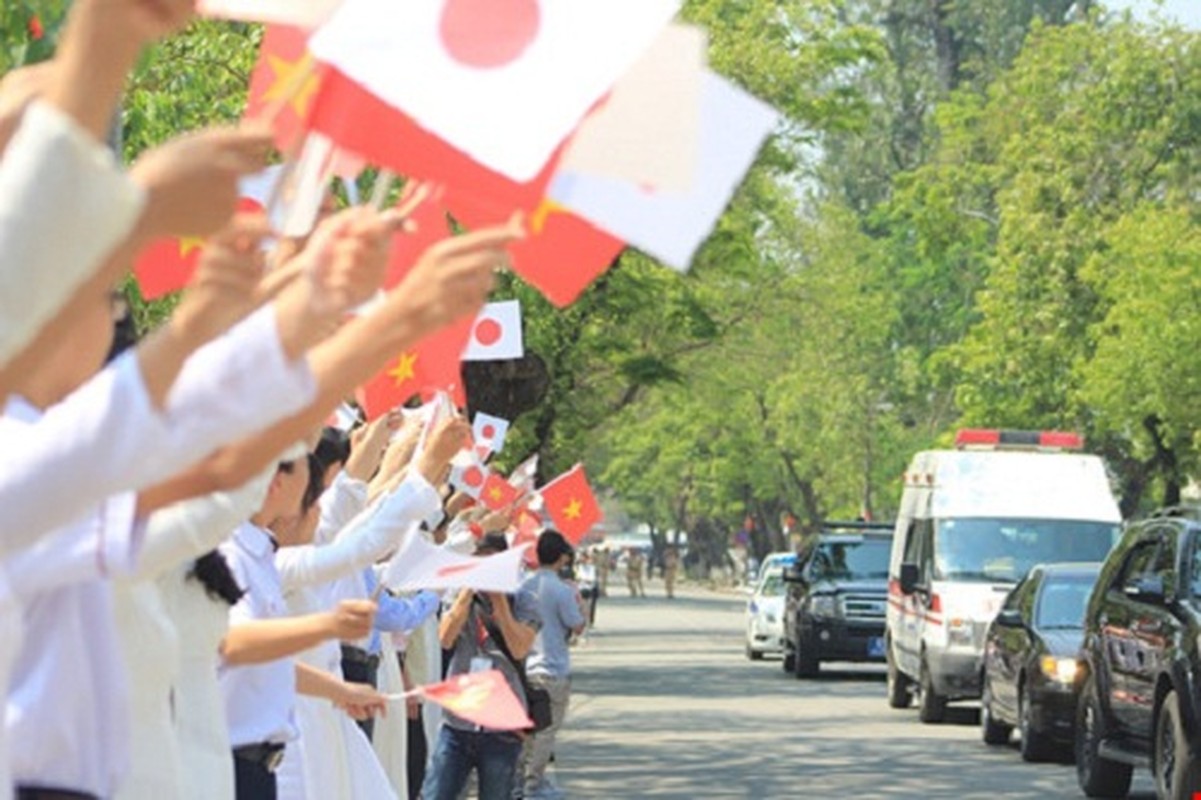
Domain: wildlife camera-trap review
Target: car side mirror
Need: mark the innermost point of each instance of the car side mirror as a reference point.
(793, 575)
(1148, 589)
(909, 576)
(1010, 618)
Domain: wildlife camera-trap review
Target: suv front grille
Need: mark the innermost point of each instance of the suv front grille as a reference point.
(858, 606)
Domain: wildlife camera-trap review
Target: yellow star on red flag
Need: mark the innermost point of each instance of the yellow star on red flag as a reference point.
(573, 509)
(286, 72)
(404, 369)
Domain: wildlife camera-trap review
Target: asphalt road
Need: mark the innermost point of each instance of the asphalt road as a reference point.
(666, 705)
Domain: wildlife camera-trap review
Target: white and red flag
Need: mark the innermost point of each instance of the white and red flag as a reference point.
(496, 333)
(468, 473)
(420, 564)
(484, 698)
(488, 433)
(671, 225)
(532, 68)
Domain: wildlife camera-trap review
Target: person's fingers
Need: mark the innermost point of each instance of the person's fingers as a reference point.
(489, 238)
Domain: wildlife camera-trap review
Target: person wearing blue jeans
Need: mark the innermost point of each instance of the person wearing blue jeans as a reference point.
(485, 632)
(492, 755)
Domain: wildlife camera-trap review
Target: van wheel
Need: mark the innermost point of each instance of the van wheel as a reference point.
(807, 664)
(992, 731)
(1177, 776)
(1097, 776)
(1036, 745)
(932, 706)
(900, 690)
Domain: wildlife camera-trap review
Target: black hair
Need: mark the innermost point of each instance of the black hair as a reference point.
(332, 448)
(125, 328)
(316, 485)
(552, 546)
(492, 543)
(214, 574)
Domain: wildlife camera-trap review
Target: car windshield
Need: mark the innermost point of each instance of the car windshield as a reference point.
(772, 585)
(863, 559)
(1005, 549)
(1061, 605)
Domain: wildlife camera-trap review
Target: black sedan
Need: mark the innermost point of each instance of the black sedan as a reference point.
(1031, 660)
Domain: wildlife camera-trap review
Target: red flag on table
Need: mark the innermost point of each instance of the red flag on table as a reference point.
(432, 365)
(483, 698)
(497, 492)
(284, 60)
(571, 505)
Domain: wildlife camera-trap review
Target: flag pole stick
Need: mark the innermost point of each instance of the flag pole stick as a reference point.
(379, 192)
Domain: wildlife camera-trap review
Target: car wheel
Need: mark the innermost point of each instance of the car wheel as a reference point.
(992, 731)
(900, 692)
(1097, 776)
(789, 662)
(807, 664)
(1177, 776)
(931, 706)
(1036, 745)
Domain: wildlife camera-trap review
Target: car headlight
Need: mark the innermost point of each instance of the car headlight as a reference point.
(959, 631)
(823, 605)
(1060, 670)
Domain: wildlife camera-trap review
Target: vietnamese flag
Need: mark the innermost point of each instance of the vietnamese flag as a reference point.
(571, 505)
(283, 59)
(497, 492)
(562, 253)
(430, 366)
(167, 265)
(483, 698)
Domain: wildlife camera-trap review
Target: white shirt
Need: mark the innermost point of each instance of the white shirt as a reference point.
(107, 437)
(259, 698)
(371, 535)
(339, 504)
(66, 716)
(64, 206)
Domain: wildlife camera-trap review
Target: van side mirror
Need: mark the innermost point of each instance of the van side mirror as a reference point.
(1010, 618)
(1147, 589)
(909, 576)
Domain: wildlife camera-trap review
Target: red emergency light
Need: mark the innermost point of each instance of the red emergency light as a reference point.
(995, 438)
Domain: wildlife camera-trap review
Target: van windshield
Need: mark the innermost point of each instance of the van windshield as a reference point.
(1005, 549)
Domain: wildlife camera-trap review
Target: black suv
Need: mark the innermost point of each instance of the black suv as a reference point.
(837, 597)
(1140, 704)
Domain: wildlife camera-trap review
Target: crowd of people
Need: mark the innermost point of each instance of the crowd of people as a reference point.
(189, 595)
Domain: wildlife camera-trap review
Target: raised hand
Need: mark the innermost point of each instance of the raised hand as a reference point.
(453, 277)
(192, 181)
(352, 619)
(223, 290)
(446, 440)
(345, 260)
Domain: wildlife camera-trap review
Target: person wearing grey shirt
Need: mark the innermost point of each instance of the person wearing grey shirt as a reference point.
(486, 631)
(548, 665)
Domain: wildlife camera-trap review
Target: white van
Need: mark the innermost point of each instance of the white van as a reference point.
(972, 522)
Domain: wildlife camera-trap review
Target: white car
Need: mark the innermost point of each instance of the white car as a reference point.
(765, 609)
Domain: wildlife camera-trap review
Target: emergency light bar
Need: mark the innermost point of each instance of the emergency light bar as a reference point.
(990, 438)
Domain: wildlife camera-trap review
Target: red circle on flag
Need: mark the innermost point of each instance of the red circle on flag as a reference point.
(473, 476)
(489, 432)
(489, 33)
(487, 332)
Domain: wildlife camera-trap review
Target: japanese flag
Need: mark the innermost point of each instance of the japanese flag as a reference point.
(496, 334)
(672, 225)
(489, 432)
(531, 68)
(423, 565)
(467, 474)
